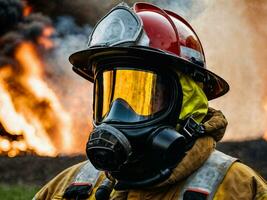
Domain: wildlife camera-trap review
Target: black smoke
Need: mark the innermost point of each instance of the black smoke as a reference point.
(11, 13)
(16, 28)
(89, 12)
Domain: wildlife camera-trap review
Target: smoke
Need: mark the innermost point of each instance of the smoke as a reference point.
(234, 37)
(233, 34)
(21, 40)
(84, 12)
(88, 12)
(10, 13)
(16, 28)
(74, 92)
(188, 9)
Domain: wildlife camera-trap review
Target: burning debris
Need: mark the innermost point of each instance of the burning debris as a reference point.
(32, 118)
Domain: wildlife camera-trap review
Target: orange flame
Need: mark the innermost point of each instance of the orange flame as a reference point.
(44, 39)
(27, 10)
(16, 124)
(45, 126)
(27, 57)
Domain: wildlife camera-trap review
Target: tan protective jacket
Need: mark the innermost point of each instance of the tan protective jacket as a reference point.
(239, 183)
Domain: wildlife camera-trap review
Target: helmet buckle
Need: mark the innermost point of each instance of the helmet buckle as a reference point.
(192, 129)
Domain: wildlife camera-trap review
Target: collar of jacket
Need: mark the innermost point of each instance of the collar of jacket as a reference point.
(194, 159)
(215, 125)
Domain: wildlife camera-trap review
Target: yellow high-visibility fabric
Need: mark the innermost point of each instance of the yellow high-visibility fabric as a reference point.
(54, 190)
(240, 182)
(195, 102)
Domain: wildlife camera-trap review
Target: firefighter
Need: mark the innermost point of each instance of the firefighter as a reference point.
(154, 135)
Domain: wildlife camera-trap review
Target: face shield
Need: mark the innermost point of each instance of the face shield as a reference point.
(120, 25)
(130, 95)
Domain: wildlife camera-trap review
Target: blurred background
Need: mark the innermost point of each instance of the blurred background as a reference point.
(46, 109)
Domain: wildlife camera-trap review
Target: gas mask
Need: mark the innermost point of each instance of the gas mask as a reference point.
(136, 111)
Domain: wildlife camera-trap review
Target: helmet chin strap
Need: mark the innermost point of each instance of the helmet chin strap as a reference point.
(191, 129)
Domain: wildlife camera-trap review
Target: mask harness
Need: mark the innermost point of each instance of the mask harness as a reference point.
(141, 156)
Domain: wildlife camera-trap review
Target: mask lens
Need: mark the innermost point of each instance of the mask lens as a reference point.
(120, 25)
(130, 95)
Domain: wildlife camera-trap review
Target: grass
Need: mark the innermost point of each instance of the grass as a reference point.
(17, 192)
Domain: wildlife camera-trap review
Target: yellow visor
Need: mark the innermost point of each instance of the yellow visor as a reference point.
(130, 95)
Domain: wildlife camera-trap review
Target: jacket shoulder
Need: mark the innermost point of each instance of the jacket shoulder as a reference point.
(242, 182)
(56, 187)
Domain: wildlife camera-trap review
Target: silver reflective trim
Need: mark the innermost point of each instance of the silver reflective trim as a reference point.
(191, 53)
(208, 177)
(144, 40)
(87, 174)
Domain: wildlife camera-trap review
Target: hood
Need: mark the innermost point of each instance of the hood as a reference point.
(215, 125)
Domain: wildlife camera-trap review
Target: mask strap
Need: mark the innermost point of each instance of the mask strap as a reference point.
(191, 129)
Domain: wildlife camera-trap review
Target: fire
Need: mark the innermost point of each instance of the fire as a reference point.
(44, 39)
(5, 144)
(29, 108)
(16, 124)
(27, 10)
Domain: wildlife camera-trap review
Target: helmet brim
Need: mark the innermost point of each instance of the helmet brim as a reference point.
(213, 85)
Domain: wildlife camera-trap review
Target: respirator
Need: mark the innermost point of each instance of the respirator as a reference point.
(135, 114)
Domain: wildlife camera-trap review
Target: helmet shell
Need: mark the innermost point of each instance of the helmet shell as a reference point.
(173, 44)
(169, 32)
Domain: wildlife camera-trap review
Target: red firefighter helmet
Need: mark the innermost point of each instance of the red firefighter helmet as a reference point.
(159, 36)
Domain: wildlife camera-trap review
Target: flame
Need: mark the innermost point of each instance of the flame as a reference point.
(27, 57)
(40, 118)
(27, 10)
(44, 40)
(16, 124)
(5, 144)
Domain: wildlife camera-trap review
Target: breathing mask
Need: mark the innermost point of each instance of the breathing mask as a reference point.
(135, 115)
